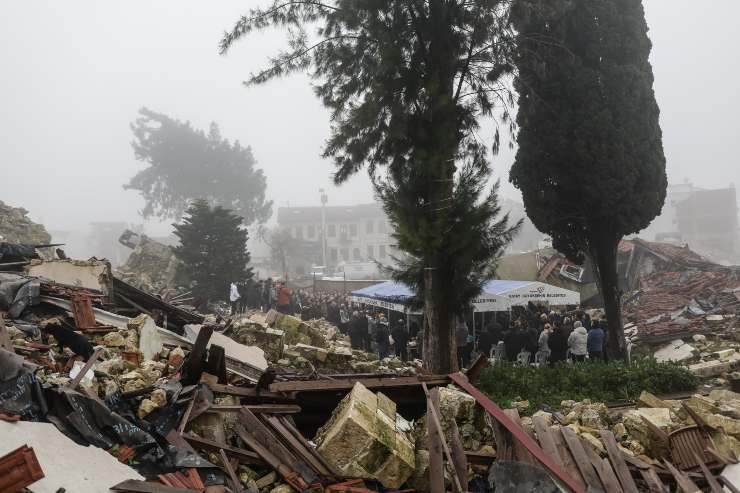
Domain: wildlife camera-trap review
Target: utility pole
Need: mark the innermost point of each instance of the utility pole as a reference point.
(324, 200)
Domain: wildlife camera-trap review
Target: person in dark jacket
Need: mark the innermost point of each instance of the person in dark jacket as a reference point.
(532, 339)
(595, 342)
(357, 330)
(461, 334)
(401, 339)
(486, 340)
(514, 341)
(382, 335)
(558, 343)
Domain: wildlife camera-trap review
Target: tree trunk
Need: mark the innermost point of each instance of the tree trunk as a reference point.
(440, 345)
(604, 256)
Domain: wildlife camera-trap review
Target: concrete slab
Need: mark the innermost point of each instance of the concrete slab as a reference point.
(65, 464)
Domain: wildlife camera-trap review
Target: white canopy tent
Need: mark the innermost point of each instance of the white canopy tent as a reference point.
(501, 295)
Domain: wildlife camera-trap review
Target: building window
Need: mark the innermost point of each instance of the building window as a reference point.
(331, 230)
(343, 229)
(370, 252)
(333, 254)
(381, 226)
(311, 231)
(345, 254)
(369, 227)
(356, 254)
(353, 230)
(381, 251)
(299, 232)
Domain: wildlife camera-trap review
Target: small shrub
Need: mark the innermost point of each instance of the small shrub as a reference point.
(505, 382)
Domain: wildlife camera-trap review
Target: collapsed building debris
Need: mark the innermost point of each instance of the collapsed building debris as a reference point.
(17, 228)
(151, 266)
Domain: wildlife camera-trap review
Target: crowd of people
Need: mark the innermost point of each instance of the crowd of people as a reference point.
(531, 333)
(545, 336)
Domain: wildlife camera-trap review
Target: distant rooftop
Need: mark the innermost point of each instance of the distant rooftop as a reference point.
(291, 215)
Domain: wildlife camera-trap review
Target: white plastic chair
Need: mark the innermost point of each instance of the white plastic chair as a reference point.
(523, 358)
(541, 358)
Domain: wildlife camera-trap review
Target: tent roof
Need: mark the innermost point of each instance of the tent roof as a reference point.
(502, 286)
(386, 290)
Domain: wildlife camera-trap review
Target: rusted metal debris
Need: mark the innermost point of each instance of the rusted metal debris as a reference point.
(19, 469)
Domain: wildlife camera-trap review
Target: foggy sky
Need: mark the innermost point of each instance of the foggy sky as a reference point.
(75, 73)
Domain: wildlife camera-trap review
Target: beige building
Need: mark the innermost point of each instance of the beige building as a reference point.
(353, 234)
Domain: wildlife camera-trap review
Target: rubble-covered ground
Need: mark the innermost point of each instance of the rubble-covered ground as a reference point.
(151, 266)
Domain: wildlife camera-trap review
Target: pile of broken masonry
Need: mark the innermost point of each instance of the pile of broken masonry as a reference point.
(96, 397)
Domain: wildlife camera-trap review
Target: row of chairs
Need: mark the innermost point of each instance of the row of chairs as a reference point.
(498, 353)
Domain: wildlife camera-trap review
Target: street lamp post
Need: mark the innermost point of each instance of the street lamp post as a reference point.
(324, 200)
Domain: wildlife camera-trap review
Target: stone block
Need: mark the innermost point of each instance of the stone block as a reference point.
(361, 439)
(676, 350)
(707, 369)
(311, 353)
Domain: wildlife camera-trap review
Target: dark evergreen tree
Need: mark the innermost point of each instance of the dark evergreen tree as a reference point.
(185, 163)
(213, 249)
(590, 162)
(407, 82)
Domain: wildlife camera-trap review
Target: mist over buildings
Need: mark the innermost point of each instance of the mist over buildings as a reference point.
(76, 73)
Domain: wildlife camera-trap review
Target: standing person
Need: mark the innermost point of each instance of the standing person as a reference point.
(234, 298)
(531, 340)
(577, 342)
(557, 342)
(595, 342)
(372, 323)
(514, 341)
(486, 340)
(382, 338)
(461, 334)
(283, 298)
(243, 294)
(265, 295)
(543, 341)
(357, 330)
(400, 338)
(343, 318)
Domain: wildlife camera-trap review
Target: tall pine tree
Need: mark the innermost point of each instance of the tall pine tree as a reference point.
(407, 82)
(213, 249)
(590, 162)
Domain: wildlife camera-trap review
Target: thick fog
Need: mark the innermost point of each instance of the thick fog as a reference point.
(75, 73)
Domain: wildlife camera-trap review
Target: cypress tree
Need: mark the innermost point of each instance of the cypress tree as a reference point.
(213, 249)
(590, 162)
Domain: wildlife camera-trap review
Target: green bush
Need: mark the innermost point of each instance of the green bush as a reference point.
(505, 382)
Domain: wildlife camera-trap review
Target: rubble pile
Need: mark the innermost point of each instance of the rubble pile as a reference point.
(151, 266)
(17, 227)
(305, 347)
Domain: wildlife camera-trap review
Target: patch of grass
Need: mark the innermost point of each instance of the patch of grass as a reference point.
(505, 382)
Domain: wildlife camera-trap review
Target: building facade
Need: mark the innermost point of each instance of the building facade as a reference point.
(351, 234)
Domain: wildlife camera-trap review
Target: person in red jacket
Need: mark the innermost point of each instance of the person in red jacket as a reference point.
(283, 299)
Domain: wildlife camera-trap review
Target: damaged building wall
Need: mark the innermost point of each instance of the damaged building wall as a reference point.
(90, 274)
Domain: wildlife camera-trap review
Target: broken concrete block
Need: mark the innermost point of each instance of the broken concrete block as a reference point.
(159, 397)
(729, 425)
(660, 417)
(649, 400)
(114, 339)
(361, 440)
(723, 394)
(711, 368)
(150, 343)
(724, 354)
(267, 479)
(176, 357)
(699, 338)
(311, 353)
(676, 350)
(282, 488)
(146, 407)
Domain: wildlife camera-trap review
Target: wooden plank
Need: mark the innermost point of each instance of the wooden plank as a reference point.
(728, 484)
(296, 446)
(544, 436)
(652, 480)
(684, 482)
(434, 446)
(245, 456)
(297, 434)
(93, 358)
(348, 383)
(137, 486)
(604, 469)
(575, 445)
(192, 367)
(248, 392)
(620, 466)
(258, 408)
(496, 412)
(186, 416)
(273, 461)
(711, 480)
(236, 485)
(459, 460)
(504, 442)
(260, 432)
(569, 464)
(520, 450)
